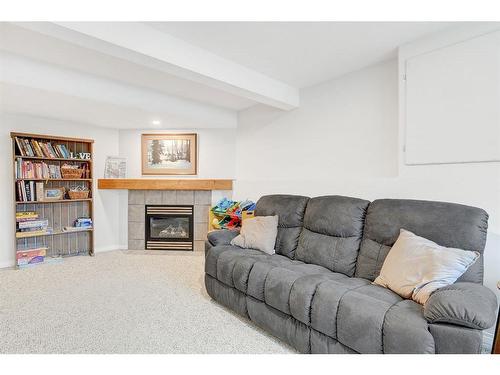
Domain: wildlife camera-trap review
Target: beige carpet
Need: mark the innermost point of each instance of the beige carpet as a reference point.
(121, 302)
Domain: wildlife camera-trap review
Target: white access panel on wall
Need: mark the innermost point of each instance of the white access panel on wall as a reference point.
(453, 103)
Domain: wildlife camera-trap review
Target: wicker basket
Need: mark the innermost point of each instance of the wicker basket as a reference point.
(78, 194)
(71, 172)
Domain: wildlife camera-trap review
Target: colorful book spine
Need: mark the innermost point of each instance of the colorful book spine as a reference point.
(26, 214)
(31, 233)
(28, 224)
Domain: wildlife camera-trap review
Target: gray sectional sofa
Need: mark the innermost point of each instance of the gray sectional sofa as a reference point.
(316, 292)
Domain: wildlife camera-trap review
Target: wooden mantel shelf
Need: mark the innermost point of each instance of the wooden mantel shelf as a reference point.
(164, 184)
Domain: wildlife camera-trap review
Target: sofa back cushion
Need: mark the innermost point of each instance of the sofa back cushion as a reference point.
(447, 224)
(333, 228)
(290, 209)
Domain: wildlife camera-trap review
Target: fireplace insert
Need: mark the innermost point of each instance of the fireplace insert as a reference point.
(169, 227)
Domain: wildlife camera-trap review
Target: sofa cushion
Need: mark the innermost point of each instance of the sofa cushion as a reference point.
(290, 209)
(260, 271)
(406, 331)
(355, 312)
(228, 260)
(220, 260)
(326, 301)
(235, 266)
(447, 224)
(360, 317)
(291, 291)
(333, 228)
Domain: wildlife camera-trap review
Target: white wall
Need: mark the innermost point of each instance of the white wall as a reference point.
(216, 159)
(216, 149)
(475, 184)
(342, 139)
(105, 202)
(345, 139)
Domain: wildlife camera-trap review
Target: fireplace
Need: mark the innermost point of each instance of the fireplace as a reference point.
(169, 227)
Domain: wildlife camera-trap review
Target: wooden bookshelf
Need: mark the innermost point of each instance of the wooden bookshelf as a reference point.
(60, 213)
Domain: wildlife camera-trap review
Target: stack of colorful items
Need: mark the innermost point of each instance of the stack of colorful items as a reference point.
(29, 257)
(80, 224)
(227, 214)
(29, 225)
(83, 222)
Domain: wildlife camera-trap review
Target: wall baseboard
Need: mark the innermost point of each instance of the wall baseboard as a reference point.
(8, 264)
(102, 249)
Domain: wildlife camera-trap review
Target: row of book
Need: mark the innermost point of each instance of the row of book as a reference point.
(29, 191)
(29, 224)
(32, 147)
(30, 169)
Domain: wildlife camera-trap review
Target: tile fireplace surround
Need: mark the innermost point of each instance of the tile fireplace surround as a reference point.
(137, 199)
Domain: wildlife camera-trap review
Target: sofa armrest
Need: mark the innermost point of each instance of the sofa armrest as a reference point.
(465, 304)
(222, 237)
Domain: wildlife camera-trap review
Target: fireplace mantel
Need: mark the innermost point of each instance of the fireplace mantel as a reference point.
(164, 184)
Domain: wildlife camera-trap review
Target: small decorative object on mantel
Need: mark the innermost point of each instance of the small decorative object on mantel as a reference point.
(169, 154)
(116, 167)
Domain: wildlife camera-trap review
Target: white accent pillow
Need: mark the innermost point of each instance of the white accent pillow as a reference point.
(259, 233)
(415, 266)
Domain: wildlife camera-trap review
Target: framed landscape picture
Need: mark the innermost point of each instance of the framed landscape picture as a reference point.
(169, 154)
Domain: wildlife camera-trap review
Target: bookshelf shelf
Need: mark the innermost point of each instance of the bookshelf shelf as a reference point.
(55, 201)
(53, 159)
(54, 179)
(38, 150)
(58, 233)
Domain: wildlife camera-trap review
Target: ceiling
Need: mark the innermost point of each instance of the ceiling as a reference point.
(184, 74)
(301, 54)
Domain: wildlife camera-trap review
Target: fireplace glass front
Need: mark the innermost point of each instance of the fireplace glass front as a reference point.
(169, 227)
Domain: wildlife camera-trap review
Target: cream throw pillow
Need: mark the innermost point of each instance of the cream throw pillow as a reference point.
(415, 267)
(259, 233)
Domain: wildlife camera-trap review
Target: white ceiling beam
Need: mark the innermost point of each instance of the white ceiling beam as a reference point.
(175, 111)
(145, 45)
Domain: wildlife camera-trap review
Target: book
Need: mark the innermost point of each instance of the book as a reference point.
(24, 214)
(19, 146)
(43, 223)
(46, 260)
(39, 191)
(27, 169)
(29, 150)
(23, 252)
(32, 190)
(32, 233)
(31, 256)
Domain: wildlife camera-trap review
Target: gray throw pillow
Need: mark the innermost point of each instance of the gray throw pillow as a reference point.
(258, 233)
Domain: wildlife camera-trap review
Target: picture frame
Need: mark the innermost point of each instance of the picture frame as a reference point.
(115, 167)
(169, 154)
(54, 194)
